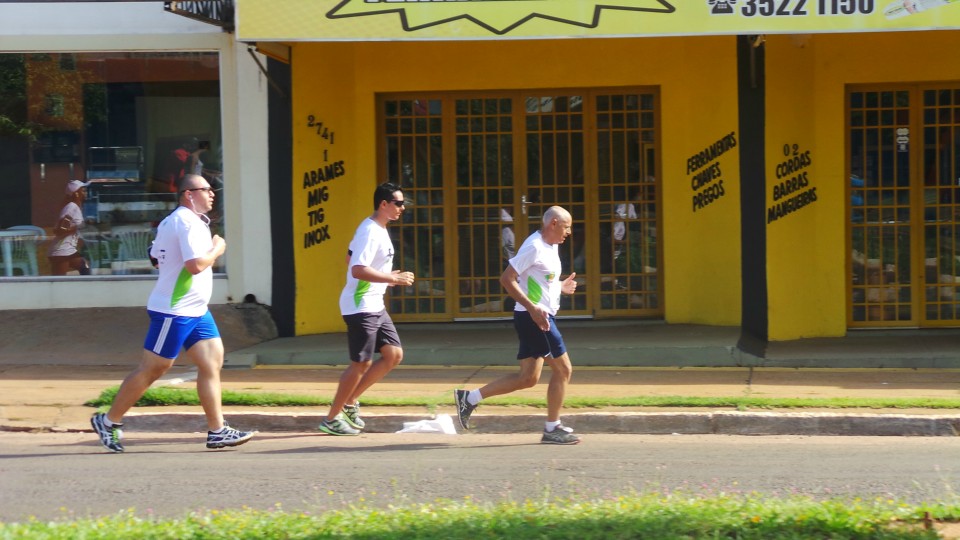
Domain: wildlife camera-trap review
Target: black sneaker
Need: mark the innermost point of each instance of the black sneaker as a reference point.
(337, 426)
(228, 437)
(560, 435)
(351, 414)
(464, 408)
(109, 436)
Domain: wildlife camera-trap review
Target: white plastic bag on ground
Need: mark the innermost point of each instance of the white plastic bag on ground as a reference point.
(442, 424)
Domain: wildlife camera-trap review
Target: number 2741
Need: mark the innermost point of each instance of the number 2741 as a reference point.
(321, 130)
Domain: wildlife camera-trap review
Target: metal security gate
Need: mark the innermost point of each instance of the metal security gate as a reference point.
(482, 168)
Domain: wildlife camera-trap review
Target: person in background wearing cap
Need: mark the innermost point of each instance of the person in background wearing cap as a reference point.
(180, 318)
(63, 252)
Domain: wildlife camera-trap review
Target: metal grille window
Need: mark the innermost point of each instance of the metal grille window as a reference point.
(904, 185)
(482, 167)
(555, 176)
(485, 210)
(414, 149)
(626, 168)
(941, 197)
(880, 221)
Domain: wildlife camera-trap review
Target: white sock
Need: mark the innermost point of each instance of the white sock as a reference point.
(550, 426)
(108, 423)
(474, 397)
(218, 430)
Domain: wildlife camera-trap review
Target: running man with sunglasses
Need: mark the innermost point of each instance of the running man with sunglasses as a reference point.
(180, 318)
(369, 327)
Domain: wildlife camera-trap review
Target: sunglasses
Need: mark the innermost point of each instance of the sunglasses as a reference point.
(399, 203)
(207, 189)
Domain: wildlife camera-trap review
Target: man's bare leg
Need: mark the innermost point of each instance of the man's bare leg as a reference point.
(561, 371)
(151, 368)
(208, 357)
(527, 377)
(390, 357)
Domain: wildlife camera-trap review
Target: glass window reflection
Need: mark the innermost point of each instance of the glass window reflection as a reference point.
(125, 126)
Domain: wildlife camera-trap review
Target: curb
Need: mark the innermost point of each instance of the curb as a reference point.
(637, 423)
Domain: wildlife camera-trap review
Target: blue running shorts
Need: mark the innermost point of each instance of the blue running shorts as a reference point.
(534, 342)
(169, 333)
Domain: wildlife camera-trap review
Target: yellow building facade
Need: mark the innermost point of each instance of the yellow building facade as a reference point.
(801, 179)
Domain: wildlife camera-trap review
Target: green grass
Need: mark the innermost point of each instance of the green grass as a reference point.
(164, 396)
(652, 515)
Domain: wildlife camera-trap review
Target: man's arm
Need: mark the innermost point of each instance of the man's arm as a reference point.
(365, 273)
(65, 227)
(509, 281)
(195, 266)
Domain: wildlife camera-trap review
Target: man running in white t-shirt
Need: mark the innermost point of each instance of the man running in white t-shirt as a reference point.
(369, 328)
(533, 280)
(185, 252)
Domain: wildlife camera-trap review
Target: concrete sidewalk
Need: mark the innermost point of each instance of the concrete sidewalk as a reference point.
(52, 397)
(627, 343)
(52, 361)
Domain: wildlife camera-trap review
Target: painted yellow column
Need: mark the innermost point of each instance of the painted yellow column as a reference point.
(804, 208)
(701, 188)
(333, 181)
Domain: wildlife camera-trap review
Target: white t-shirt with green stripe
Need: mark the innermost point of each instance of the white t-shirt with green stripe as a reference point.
(538, 266)
(371, 246)
(181, 236)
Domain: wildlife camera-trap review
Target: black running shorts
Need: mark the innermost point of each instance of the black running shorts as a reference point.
(367, 332)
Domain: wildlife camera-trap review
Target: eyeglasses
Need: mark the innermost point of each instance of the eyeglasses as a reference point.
(207, 189)
(399, 203)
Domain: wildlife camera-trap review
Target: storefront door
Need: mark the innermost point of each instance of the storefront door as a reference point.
(904, 218)
(480, 170)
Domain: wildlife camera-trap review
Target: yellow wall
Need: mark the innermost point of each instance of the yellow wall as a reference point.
(323, 87)
(805, 242)
(807, 77)
(338, 84)
(702, 245)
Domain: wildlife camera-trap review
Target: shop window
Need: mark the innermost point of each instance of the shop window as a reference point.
(125, 124)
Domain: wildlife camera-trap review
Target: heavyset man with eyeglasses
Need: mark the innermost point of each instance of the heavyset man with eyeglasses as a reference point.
(369, 327)
(180, 318)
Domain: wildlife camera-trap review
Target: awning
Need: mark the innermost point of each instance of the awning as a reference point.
(376, 20)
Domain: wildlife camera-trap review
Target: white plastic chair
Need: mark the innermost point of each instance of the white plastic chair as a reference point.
(39, 230)
(98, 250)
(23, 249)
(132, 255)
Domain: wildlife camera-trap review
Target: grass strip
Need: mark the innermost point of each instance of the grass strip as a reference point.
(166, 396)
(662, 516)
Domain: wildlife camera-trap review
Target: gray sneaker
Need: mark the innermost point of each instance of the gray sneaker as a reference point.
(228, 437)
(337, 426)
(109, 436)
(464, 408)
(560, 435)
(351, 414)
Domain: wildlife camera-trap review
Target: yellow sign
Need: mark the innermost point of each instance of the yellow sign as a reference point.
(375, 20)
(493, 16)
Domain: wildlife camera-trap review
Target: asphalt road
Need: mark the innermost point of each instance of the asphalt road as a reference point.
(51, 475)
